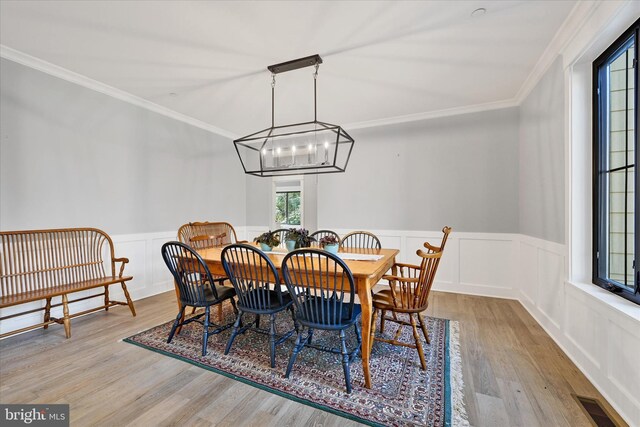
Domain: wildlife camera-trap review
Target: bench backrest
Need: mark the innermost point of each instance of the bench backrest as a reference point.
(201, 235)
(38, 259)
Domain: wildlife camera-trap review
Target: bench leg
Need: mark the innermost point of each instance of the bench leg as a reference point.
(65, 312)
(106, 298)
(47, 312)
(126, 294)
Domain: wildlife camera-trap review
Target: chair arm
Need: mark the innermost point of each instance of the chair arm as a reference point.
(242, 241)
(401, 265)
(431, 247)
(123, 261)
(392, 278)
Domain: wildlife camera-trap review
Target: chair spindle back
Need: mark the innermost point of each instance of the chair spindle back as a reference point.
(190, 273)
(361, 240)
(323, 233)
(251, 272)
(203, 235)
(282, 235)
(417, 296)
(321, 286)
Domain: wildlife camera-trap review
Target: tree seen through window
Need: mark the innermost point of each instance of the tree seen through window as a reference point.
(288, 207)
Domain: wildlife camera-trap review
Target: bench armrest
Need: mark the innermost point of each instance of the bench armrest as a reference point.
(123, 261)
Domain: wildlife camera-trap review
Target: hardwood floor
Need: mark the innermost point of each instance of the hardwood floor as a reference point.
(514, 374)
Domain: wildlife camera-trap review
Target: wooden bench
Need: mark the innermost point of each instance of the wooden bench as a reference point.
(38, 265)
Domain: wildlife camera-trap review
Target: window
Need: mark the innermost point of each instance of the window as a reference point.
(287, 202)
(288, 207)
(615, 160)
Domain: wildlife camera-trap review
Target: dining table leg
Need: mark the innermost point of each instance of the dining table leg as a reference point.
(364, 294)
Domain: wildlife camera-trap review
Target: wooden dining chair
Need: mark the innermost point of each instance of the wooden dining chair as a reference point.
(257, 285)
(322, 288)
(408, 293)
(217, 234)
(323, 233)
(360, 239)
(205, 235)
(197, 288)
(207, 241)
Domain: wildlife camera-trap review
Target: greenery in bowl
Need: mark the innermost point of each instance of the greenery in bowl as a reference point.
(300, 236)
(268, 238)
(329, 239)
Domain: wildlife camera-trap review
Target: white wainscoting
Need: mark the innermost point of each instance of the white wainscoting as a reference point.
(473, 263)
(599, 331)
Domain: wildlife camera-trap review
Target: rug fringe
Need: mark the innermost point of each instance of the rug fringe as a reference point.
(459, 412)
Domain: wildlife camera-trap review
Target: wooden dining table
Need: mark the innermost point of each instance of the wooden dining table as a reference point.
(365, 273)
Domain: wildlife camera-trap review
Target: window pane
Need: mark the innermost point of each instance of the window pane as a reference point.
(288, 208)
(281, 213)
(621, 110)
(621, 230)
(615, 152)
(294, 208)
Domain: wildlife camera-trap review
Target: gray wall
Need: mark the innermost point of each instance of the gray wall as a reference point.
(70, 156)
(542, 158)
(460, 171)
(259, 201)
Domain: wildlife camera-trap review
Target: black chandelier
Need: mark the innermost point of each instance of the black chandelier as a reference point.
(313, 147)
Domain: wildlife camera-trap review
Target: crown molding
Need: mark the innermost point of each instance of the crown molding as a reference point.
(73, 77)
(79, 79)
(497, 105)
(567, 31)
(576, 19)
(600, 29)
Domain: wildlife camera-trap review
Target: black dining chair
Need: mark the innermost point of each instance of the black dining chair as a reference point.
(282, 235)
(197, 287)
(323, 233)
(323, 290)
(257, 285)
(360, 239)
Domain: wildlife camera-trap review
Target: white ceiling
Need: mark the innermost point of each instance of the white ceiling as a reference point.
(381, 59)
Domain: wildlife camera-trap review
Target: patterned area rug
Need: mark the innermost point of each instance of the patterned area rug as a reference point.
(402, 394)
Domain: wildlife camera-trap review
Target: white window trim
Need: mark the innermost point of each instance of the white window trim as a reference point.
(604, 26)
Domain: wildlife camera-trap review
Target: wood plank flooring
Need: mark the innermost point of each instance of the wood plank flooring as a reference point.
(514, 374)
